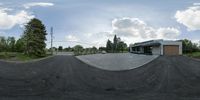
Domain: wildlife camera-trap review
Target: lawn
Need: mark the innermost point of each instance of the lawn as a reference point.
(14, 56)
(194, 55)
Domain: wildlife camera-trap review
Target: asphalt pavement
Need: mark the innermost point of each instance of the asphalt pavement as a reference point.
(67, 78)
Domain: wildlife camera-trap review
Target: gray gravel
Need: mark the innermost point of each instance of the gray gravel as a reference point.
(117, 61)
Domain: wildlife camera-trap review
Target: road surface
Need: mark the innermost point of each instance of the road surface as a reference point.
(66, 78)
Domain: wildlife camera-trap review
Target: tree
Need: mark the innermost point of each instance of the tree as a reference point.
(78, 49)
(11, 44)
(34, 37)
(94, 50)
(188, 46)
(20, 45)
(7, 44)
(102, 48)
(122, 46)
(115, 43)
(109, 46)
(60, 48)
(2, 44)
(68, 49)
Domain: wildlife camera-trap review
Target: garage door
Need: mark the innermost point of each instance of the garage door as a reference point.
(171, 50)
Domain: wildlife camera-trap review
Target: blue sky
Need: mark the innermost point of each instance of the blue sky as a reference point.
(92, 22)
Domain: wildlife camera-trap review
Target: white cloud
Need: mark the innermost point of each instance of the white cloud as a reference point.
(128, 26)
(196, 4)
(71, 38)
(189, 17)
(86, 40)
(135, 28)
(98, 39)
(33, 4)
(168, 33)
(6, 9)
(130, 30)
(7, 21)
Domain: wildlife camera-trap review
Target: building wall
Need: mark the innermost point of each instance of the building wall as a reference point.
(159, 49)
(156, 50)
(141, 50)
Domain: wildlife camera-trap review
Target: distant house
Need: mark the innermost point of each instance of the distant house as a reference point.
(157, 47)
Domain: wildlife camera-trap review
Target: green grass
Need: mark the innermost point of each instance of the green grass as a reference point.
(193, 54)
(14, 56)
(23, 57)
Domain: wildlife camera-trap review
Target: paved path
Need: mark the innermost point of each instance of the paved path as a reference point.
(66, 78)
(117, 61)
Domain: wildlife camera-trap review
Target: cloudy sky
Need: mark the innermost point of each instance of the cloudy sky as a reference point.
(93, 22)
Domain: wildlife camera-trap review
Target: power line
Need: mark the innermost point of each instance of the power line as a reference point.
(75, 42)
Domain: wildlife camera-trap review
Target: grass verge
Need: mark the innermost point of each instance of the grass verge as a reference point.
(14, 56)
(193, 55)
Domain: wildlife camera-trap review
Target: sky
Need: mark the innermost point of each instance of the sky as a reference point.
(93, 22)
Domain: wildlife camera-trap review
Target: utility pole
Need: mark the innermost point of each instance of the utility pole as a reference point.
(51, 40)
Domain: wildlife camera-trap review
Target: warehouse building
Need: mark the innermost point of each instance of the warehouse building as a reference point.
(157, 47)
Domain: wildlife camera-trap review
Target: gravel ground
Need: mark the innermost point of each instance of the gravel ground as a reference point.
(117, 61)
(66, 78)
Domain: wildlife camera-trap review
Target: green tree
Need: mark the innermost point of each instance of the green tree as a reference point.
(122, 46)
(109, 46)
(2, 44)
(102, 48)
(94, 50)
(60, 48)
(188, 46)
(35, 37)
(7, 44)
(11, 44)
(68, 49)
(115, 44)
(78, 49)
(20, 45)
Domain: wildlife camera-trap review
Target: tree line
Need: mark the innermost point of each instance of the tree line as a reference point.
(189, 46)
(117, 46)
(31, 43)
(78, 50)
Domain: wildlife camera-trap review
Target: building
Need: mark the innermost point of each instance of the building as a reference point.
(157, 47)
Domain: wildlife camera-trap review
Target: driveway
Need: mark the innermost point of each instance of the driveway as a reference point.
(66, 78)
(117, 61)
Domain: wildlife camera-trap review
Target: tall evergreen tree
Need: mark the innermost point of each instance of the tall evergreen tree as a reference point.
(115, 44)
(35, 37)
(109, 46)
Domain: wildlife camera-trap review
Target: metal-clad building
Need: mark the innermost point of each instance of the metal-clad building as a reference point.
(157, 47)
